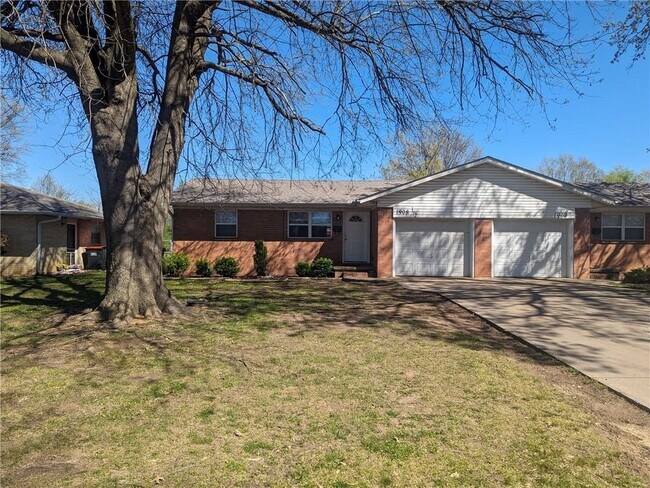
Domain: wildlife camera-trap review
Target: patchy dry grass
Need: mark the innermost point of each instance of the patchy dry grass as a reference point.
(305, 383)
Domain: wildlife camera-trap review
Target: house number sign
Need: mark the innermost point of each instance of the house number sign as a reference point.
(406, 212)
(561, 215)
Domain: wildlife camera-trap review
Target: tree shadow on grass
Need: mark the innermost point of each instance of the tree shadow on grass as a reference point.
(296, 307)
(67, 294)
(46, 303)
(315, 306)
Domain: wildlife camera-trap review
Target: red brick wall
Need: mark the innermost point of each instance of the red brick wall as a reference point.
(483, 248)
(384, 241)
(373, 238)
(581, 231)
(193, 234)
(619, 255)
(84, 231)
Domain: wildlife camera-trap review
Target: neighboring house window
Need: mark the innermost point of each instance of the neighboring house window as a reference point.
(95, 234)
(225, 223)
(317, 224)
(623, 227)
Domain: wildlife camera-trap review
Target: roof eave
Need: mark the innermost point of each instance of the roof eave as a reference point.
(53, 214)
(355, 203)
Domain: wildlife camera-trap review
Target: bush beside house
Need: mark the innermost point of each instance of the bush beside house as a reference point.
(175, 264)
(261, 258)
(322, 268)
(303, 269)
(637, 276)
(319, 268)
(227, 267)
(203, 267)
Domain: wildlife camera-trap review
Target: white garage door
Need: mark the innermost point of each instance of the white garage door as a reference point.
(432, 248)
(529, 248)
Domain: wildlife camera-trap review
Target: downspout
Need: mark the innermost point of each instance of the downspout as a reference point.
(39, 235)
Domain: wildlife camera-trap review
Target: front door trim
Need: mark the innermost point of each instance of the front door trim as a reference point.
(365, 215)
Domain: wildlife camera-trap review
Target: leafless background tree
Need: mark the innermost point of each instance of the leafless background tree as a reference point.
(48, 185)
(566, 167)
(12, 129)
(254, 83)
(432, 150)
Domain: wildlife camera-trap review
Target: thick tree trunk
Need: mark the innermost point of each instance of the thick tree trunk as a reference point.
(136, 204)
(135, 208)
(134, 283)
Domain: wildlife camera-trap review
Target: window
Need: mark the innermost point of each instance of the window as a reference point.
(95, 234)
(225, 223)
(317, 224)
(623, 227)
(356, 218)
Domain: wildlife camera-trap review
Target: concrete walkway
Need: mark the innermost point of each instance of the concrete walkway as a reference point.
(600, 329)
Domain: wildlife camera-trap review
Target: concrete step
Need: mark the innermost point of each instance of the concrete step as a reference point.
(354, 267)
(355, 274)
(361, 270)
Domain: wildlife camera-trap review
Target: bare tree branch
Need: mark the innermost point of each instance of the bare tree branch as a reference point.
(34, 51)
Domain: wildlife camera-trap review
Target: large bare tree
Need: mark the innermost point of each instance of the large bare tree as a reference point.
(566, 167)
(12, 130)
(262, 81)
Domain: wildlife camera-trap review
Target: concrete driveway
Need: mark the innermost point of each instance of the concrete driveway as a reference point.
(598, 328)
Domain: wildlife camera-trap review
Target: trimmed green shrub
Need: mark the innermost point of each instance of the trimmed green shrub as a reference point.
(260, 258)
(226, 266)
(203, 267)
(303, 269)
(175, 263)
(637, 276)
(322, 268)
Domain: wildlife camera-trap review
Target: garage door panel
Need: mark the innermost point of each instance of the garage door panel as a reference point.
(527, 248)
(431, 248)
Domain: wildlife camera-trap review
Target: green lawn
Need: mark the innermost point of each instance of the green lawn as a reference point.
(296, 383)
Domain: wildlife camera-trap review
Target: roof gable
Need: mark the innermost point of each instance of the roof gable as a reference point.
(485, 191)
(498, 163)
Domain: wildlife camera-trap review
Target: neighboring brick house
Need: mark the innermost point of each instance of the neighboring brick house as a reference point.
(43, 232)
(483, 219)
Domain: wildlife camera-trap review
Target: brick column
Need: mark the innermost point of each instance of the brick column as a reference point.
(483, 248)
(384, 243)
(581, 244)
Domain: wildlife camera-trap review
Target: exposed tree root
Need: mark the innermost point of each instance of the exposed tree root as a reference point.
(120, 311)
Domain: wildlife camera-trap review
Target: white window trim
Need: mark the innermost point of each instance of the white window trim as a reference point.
(309, 224)
(622, 227)
(226, 223)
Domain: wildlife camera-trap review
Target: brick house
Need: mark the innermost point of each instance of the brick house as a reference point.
(43, 232)
(487, 218)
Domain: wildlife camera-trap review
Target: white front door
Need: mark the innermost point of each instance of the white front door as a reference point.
(356, 237)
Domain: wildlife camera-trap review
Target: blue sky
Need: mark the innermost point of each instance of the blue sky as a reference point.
(609, 125)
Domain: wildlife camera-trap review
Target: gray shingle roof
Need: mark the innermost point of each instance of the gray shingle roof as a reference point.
(625, 194)
(17, 200)
(343, 192)
(277, 192)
